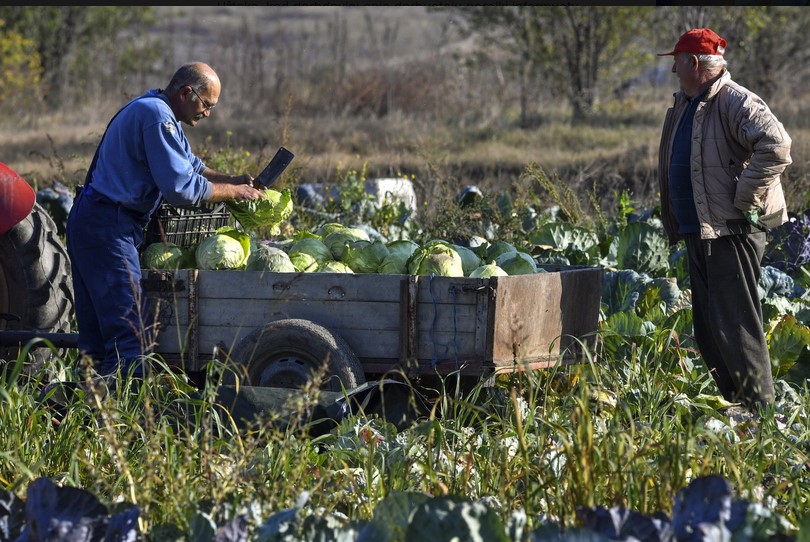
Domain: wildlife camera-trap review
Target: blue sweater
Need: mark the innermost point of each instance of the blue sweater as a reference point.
(680, 176)
(145, 154)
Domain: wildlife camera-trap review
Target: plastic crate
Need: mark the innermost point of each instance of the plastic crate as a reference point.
(185, 226)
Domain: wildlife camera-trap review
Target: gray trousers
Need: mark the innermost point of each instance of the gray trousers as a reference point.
(727, 315)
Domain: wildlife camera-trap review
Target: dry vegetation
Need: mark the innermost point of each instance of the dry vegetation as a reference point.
(380, 86)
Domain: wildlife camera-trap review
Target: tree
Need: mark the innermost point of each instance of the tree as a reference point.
(70, 40)
(569, 48)
(20, 69)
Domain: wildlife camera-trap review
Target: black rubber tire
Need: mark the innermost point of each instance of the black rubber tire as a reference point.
(36, 287)
(287, 353)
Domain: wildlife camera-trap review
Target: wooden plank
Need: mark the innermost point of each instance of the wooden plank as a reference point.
(526, 319)
(353, 314)
(534, 319)
(193, 341)
(254, 285)
(581, 299)
(258, 285)
(345, 314)
(408, 325)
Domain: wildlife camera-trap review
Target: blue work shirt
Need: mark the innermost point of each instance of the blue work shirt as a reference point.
(145, 154)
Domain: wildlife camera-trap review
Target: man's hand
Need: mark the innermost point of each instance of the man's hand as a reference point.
(247, 192)
(224, 192)
(752, 216)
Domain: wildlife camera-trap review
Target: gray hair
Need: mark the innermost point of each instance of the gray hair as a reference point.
(713, 64)
(190, 74)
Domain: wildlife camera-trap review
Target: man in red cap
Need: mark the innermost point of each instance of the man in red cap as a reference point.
(721, 156)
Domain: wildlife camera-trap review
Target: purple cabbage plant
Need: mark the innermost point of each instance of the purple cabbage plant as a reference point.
(788, 246)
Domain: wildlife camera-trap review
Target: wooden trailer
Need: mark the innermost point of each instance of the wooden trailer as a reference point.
(276, 329)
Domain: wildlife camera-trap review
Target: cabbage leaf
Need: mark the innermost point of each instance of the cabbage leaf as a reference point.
(162, 255)
(268, 212)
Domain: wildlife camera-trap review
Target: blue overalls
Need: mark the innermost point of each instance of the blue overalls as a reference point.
(147, 156)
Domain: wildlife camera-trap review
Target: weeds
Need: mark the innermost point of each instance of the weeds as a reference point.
(603, 432)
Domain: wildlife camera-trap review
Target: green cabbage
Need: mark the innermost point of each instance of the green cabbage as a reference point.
(339, 239)
(303, 262)
(436, 258)
(325, 229)
(488, 270)
(516, 263)
(333, 266)
(469, 259)
(312, 246)
(162, 256)
(396, 262)
(226, 249)
(496, 248)
(365, 256)
(268, 212)
(264, 257)
(444, 264)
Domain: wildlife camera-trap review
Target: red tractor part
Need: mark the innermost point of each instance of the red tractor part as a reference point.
(17, 198)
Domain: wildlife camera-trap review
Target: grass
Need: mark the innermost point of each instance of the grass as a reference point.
(627, 431)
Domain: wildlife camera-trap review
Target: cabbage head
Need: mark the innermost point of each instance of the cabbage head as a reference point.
(436, 258)
(496, 248)
(325, 229)
(516, 263)
(265, 257)
(469, 259)
(312, 246)
(267, 212)
(333, 266)
(339, 239)
(162, 256)
(365, 256)
(488, 270)
(303, 262)
(396, 262)
(226, 249)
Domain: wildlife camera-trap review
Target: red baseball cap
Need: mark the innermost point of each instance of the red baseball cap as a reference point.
(699, 41)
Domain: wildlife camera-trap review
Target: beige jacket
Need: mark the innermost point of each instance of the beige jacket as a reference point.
(739, 151)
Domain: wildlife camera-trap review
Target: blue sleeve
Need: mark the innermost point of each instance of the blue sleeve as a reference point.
(175, 169)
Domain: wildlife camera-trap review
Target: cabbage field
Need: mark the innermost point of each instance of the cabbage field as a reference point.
(632, 443)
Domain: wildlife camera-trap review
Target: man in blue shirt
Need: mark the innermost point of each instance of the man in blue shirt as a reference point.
(143, 159)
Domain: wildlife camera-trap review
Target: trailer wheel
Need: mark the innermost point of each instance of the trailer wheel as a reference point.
(36, 288)
(289, 353)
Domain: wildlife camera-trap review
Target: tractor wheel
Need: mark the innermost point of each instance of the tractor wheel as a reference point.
(36, 288)
(290, 353)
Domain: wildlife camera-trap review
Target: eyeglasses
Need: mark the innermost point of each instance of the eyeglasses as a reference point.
(206, 105)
